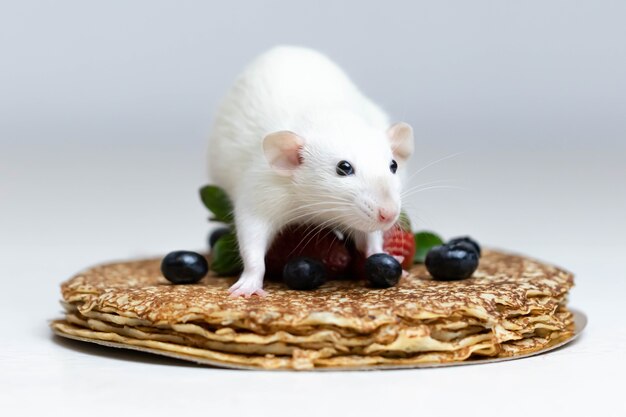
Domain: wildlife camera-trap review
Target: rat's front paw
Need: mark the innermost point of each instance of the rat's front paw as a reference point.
(247, 286)
(398, 258)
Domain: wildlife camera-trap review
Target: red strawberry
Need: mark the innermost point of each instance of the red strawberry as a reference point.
(296, 241)
(399, 242)
(357, 268)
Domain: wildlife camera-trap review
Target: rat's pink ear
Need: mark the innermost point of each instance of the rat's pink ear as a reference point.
(282, 151)
(401, 138)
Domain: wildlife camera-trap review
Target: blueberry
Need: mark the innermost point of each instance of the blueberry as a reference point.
(216, 234)
(463, 245)
(382, 270)
(467, 240)
(184, 267)
(451, 262)
(304, 273)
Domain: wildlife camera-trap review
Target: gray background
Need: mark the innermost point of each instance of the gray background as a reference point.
(507, 87)
(522, 74)
(104, 113)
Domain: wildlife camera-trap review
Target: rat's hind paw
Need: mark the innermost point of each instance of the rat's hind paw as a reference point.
(247, 287)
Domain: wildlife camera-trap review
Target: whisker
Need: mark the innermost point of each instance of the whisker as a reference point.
(427, 184)
(317, 230)
(306, 206)
(307, 214)
(443, 187)
(312, 230)
(433, 163)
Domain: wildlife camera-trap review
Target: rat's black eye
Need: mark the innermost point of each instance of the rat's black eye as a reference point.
(344, 168)
(394, 166)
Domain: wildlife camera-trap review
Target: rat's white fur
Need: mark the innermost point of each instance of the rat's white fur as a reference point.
(322, 116)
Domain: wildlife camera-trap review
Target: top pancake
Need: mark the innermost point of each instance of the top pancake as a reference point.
(504, 286)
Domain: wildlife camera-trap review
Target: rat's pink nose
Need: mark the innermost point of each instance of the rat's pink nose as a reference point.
(386, 215)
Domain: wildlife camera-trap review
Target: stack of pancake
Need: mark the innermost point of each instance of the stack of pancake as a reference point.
(511, 306)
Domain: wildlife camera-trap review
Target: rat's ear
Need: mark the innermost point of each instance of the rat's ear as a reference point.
(401, 138)
(282, 151)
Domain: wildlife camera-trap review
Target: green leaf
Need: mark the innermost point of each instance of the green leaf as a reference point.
(218, 203)
(225, 258)
(424, 241)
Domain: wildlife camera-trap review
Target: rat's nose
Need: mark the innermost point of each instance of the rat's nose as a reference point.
(386, 215)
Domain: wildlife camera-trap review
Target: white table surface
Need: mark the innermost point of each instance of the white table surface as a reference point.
(66, 205)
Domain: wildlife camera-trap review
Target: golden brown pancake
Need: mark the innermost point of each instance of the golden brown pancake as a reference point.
(511, 306)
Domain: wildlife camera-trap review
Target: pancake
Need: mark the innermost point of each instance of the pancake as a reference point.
(300, 360)
(512, 305)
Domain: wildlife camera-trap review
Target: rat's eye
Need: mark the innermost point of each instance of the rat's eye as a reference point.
(394, 166)
(344, 168)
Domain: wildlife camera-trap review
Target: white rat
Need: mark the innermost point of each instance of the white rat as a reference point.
(295, 141)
